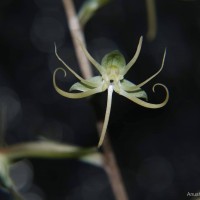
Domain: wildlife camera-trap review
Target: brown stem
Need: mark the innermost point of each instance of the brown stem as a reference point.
(76, 34)
(110, 164)
(112, 169)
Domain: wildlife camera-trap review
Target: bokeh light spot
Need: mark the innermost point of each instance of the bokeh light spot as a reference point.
(155, 174)
(22, 175)
(45, 31)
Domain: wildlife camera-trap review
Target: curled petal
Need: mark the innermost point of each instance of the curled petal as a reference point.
(146, 104)
(74, 95)
(73, 72)
(135, 57)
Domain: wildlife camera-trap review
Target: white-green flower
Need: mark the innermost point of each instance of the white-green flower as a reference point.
(112, 70)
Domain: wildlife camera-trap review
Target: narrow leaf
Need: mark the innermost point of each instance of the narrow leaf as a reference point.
(44, 149)
(95, 159)
(89, 8)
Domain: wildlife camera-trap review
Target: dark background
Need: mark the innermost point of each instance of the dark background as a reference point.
(158, 151)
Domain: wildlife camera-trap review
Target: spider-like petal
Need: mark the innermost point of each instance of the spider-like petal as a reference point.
(139, 93)
(143, 103)
(73, 72)
(75, 95)
(132, 88)
(80, 87)
(135, 57)
(126, 85)
(107, 115)
(90, 58)
(83, 87)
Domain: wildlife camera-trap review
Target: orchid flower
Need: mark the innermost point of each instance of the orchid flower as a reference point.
(112, 70)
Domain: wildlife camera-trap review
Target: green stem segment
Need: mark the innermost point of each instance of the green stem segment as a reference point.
(151, 19)
(107, 115)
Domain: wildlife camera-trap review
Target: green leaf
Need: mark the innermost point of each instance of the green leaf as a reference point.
(45, 149)
(113, 59)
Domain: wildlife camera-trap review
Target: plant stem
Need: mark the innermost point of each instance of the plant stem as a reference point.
(151, 19)
(112, 169)
(110, 164)
(76, 34)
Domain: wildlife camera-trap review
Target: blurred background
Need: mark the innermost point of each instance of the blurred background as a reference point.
(158, 151)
